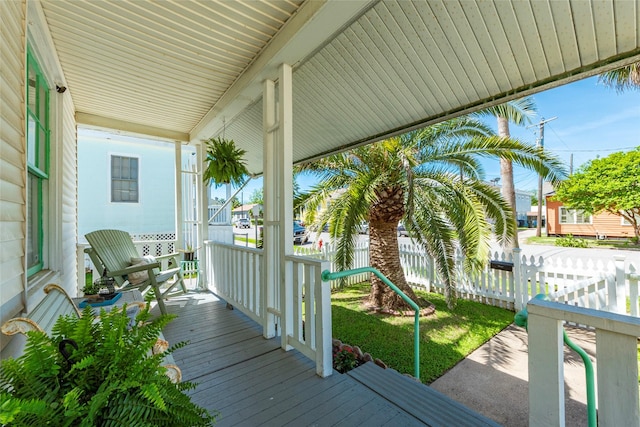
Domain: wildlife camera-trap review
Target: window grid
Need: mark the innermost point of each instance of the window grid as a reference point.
(124, 179)
(574, 216)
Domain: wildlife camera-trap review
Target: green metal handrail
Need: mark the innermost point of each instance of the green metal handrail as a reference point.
(327, 275)
(521, 319)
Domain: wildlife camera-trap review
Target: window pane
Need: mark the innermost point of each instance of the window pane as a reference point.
(31, 92)
(31, 141)
(42, 150)
(42, 101)
(33, 223)
(124, 179)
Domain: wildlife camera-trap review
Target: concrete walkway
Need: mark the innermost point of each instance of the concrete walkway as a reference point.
(493, 379)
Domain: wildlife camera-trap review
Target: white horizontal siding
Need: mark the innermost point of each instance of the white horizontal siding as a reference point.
(12, 172)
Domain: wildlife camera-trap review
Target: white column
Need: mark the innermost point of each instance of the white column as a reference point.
(617, 363)
(179, 217)
(271, 270)
(546, 371)
(284, 150)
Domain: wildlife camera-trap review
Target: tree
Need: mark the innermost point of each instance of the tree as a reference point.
(257, 196)
(610, 184)
(621, 79)
(431, 180)
(519, 112)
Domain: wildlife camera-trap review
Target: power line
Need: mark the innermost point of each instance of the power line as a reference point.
(596, 150)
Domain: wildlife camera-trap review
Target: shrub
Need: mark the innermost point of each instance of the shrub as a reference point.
(571, 242)
(96, 372)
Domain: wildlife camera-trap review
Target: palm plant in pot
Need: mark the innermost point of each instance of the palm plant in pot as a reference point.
(225, 162)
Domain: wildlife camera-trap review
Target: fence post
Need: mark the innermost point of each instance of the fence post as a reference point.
(618, 292)
(518, 281)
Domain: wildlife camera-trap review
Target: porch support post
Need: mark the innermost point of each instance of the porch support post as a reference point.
(179, 218)
(202, 192)
(271, 270)
(284, 150)
(546, 371)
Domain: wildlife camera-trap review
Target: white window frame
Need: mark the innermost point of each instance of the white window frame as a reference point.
(110, 180)
(572, 216)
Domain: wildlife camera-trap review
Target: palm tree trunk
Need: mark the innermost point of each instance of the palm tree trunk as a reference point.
(508, 190)
(384, 254)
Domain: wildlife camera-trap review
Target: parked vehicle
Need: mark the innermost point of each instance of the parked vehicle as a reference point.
(363, 228)
(243, 223)
(402, 231)
(300, 235)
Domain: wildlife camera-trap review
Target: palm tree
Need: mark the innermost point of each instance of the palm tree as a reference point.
(431, 179)
(622, 79)
(518, 112)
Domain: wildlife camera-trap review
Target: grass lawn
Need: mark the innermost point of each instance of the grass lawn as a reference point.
(592, 243)
(446, 337)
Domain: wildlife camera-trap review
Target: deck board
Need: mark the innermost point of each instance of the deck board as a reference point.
(251, 381)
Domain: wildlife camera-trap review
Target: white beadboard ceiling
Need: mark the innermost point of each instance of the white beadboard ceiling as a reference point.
(362, 69)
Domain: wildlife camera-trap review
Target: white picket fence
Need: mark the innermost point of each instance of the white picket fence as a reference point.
(578, 282)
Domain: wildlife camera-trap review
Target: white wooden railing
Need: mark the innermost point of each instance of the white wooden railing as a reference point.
(617, 363)
(301, 309)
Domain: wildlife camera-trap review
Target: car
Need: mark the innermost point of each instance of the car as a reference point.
(402, 231)
(300, 235)
(243, 223)
(363, 228)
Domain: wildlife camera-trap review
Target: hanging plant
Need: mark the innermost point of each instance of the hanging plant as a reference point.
(226, 164)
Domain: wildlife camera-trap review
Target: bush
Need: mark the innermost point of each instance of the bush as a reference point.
(96, 372)
(571, 242)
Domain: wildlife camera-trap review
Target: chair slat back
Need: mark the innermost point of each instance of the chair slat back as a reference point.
(114, 248)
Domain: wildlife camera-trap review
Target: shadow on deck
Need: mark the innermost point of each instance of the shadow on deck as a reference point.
(251, 381)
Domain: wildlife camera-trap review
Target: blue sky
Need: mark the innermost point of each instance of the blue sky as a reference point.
(592, 121)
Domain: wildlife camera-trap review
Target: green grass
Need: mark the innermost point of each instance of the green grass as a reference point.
(446, 337)
(244, 239)
(592, 243)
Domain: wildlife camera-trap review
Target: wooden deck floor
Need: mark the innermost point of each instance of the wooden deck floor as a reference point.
(252, 382)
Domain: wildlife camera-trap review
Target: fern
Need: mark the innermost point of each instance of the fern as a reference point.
(110, 379)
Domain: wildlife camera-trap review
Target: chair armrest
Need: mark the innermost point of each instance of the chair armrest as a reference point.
(133, 269)
(165, 256)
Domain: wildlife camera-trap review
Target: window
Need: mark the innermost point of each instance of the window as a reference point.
(574, 216)
(124, 179)
(38, 135)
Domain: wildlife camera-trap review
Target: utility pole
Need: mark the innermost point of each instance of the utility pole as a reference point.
(540, 143)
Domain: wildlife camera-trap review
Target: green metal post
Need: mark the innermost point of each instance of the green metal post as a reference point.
(327, 275)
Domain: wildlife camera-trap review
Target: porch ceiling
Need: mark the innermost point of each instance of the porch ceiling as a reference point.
(362, 69)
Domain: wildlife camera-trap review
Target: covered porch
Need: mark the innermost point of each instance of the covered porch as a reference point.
(253, 381)
(289, 81)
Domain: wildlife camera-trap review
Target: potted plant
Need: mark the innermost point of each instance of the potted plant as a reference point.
(189, 253)
(225, 162)
(94, 372)
(90, 291)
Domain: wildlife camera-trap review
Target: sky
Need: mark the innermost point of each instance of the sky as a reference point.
(591, 121)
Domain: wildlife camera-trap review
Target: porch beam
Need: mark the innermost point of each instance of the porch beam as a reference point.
(313, 26)
(129, 128)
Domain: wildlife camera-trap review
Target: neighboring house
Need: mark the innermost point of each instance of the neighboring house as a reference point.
(122, 178)
(532, 217)
(246, 211)
(562, 221)
(523, 207)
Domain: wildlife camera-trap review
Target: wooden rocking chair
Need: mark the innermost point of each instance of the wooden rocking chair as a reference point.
(114, 252)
